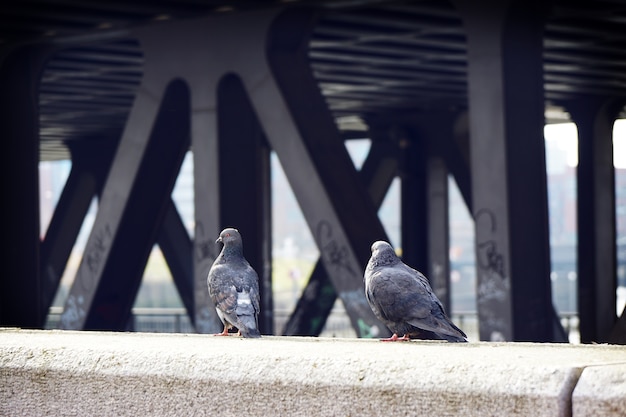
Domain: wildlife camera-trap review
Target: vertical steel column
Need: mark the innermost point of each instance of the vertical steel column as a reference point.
(414, 200)
(20, 284)
(244, 176)
(441, 153)
(597, 268)
(438, 229)
(454, 149)
(505, 80)
(618, 334)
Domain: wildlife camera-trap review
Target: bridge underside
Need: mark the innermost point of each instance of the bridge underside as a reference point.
(439, 88)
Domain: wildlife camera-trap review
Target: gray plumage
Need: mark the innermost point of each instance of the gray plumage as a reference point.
(234, 286)
(403, 300)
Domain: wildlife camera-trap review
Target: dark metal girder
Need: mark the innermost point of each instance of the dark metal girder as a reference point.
(618, 334)
(52, 14)
(603, 55)
(76, 58)
(509, 185)
(337, 84)
(391, 49)
(582, 29)
(20, 283)
(405, 19)
(328, 69)
(413, 200)
(90, 164)
(116, 7)
(130, 212)
(244, 176)
(95, 74)
(319, 295)
(597, 273)
(177, 249)
(438, 229)
(318, 165)
(121, 100)
(100, 83)
(92, 116)
(67, 69)
(382, 61)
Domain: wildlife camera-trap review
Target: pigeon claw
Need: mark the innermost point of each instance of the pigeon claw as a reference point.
(395, 338)
(224, 333)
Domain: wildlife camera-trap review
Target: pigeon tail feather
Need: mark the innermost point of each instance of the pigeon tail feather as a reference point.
(453, 338)
(247, 326)
(246, 315)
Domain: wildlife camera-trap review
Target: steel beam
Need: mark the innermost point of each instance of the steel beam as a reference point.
(414, 201)
(317, 165)
(177, 249)
(597, 268)
(446, 133)
(209, 49)
(454, 149)
(90, 165)
(438, 237)
(91, 161)
(618, 334)
(509, 190)
(448, 141)
(319, 295)
(438, 149)
(20, 285)
(133, 205)
(269, 56)
(244, 176)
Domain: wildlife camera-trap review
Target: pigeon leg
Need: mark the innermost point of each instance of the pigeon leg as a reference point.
(395, 338)
(224, 333)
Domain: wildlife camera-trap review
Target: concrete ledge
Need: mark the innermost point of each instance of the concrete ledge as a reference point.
(128, 374)
(601, 391)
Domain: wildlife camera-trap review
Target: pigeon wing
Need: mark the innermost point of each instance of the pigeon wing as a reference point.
(223, 292)
(248, 303)
(252, 281)
(435, 319)
(396, 294)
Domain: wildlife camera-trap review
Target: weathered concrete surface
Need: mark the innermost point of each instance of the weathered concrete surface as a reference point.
(601, 391)
(89, 373)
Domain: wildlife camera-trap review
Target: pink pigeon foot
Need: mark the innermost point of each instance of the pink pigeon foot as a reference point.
(395, 338)
(224, 333)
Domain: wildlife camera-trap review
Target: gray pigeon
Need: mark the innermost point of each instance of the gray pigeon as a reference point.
(234, 287)
(402, 299)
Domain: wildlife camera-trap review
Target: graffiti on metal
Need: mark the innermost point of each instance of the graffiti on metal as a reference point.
(94, 256)
(336, 254)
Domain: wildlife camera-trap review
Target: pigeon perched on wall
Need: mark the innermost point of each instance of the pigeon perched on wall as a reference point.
(234, 287)
(403, 300)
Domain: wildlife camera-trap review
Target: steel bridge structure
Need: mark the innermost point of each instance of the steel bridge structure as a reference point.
(126, 88)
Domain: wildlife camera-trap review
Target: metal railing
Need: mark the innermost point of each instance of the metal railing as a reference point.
(176, 320)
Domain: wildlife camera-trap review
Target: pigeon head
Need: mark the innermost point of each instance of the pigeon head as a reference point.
(231, 239)
(383, 254)
(228, 235)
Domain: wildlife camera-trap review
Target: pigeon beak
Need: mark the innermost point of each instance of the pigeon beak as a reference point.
(219, 240)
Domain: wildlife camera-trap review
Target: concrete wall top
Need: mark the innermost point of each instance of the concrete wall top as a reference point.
(98, 373)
